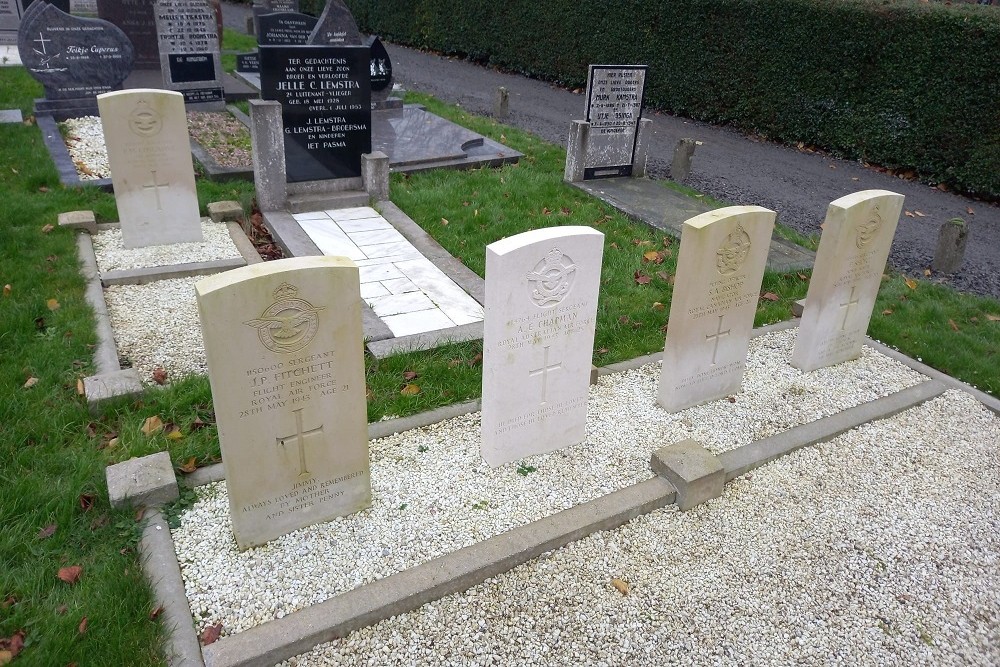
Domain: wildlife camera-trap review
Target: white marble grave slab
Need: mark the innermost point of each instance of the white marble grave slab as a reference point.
(149, 153)
(284, 347)
(720, 267)
(538, 343)
(853, 249)
(405, 289)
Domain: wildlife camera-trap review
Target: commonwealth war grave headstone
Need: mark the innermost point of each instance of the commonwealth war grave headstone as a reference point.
(136, 19)
(538, 342)
(74, 58)
(853, 249)
(720, 267)
(146, 135)
(325, 107)
(189, 51)
(283, 342)
(614, 108)
(10, 20)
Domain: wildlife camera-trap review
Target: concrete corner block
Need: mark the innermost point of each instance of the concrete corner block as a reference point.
(148, 480)
(594, 373)
(696, 473)
(99, 388)
(83, 220)
(225, 211)
(798, 307)
(267, 141)
(644, 134)
(576, 151)
(375, 175)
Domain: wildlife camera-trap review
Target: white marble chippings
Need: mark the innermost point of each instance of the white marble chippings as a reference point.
(112, 255)
(433, 494)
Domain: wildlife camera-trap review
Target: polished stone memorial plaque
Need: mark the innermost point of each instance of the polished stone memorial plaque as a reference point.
(614, 107)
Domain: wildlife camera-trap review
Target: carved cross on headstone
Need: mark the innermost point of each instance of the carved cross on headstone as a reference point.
(156, 189)
(718, 334)
(299, 438)
(544, 372)
(851, 301)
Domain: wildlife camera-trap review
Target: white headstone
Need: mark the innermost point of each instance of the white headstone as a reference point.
(149, 152)
(720, 267)
(852, 253)
(284, 346)
(541, 310)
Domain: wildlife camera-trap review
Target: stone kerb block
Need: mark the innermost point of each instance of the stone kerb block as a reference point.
(106, 386)
(720, 267)
(149, 481)
(696, 473)
(853, 249)
(541, 310)
(284, 347)
(149, 152)
(576, 151)
(681, 165)
(501, 103)
(82, 220)
(950, 251)
(375, 175)
(225, 211)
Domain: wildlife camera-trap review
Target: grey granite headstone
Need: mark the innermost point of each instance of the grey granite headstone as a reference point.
(271, 6)
(614, 108)
(74, 58)
(336, 26)
(136, 19)
(284, 28)
(10, 20)
(189, 52)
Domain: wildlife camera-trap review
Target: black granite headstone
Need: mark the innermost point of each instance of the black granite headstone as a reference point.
(285, 28)
(61, 5)
(336, 26)
(136, 19)
(74, 58)
(381, 66)
(325, 107)
(248, 62)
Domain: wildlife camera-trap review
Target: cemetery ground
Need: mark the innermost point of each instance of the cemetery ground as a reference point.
(71, 588)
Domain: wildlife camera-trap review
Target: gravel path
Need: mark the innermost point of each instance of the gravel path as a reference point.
(433, 493)
(881, 547)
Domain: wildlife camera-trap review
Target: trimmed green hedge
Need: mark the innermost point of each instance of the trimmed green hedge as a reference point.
(903, 84)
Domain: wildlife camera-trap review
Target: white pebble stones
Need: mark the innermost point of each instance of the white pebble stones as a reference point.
(85, 142)
(434, 495)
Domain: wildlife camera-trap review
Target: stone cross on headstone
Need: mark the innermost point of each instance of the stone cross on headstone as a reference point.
(719, 271)
(541, 310)
(853, 249)
(285, 356)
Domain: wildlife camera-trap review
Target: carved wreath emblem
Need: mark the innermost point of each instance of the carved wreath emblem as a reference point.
(552, 278)
(288, 324)
(867, 231)
(733, 251)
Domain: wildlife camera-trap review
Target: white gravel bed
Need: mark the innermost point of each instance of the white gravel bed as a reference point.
(157, 325)
(881, 547)
(433, 494)
(112, 255)
(85, 142)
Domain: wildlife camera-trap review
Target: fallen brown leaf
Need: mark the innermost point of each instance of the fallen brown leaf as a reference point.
(653, 256)
(82, 628)
(802, 276)
(887, 311)
(11, 646)
(47, 532)
(70, 574)
(602, 350)
(140, 513)
(210, 634)
(658, 306)
(43, 188)
(198, 424)
(992, 318)
(52, 304)
(968, 209)
(159, 375)
(910, 282)
(47, 228)
(86, 501)
(770, 296)
(156, 612)
(663, 275)
(927, 273)
(908, 214)
(7, 289)
(951, 323)
(410, 390)
(80, 387)
(641, 278)
(188, 466)
(919, 214)
(620, 585)
(152, 425)
(444, 221)
(476, 359)
(30, 382)
(410, 375)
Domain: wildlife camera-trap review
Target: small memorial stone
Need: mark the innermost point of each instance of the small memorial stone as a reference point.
(248, 62)
(614, 107)
(146, 135)
(538, 342)
(285, 356)
(271, 6)
(336, 26)
(853, 249)
(380, 68)
(74, 58)
(720, 267)
(189, 51)
(325, 107)
(136, 19)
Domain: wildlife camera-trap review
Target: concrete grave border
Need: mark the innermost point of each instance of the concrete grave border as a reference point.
(455, 572)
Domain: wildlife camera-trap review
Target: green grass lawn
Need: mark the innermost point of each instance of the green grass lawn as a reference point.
(54, 512)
